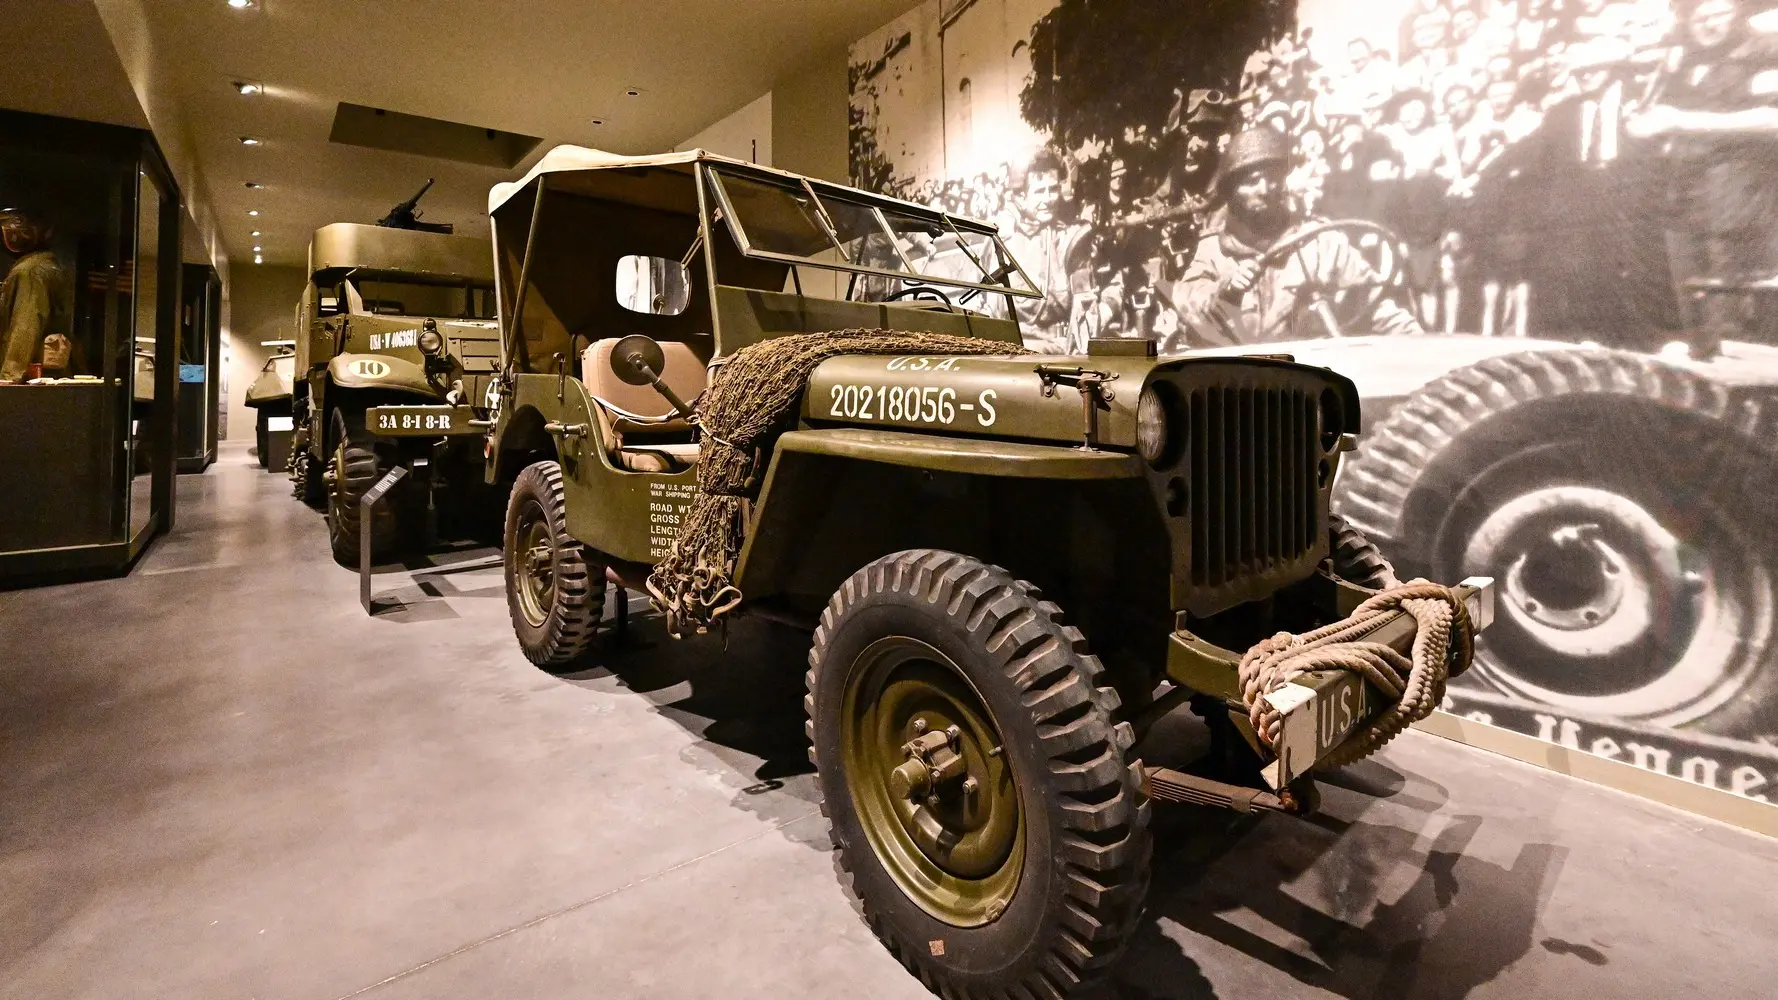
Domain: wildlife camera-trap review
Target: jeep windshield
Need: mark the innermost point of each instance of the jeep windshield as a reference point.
(810, 223)
(388, 296)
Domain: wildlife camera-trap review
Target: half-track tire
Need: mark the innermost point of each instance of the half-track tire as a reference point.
(924, 639)
(1355, 558)
(309, 482)
(555, 585)
(356, 468)
(1618, 501)
(262, 438)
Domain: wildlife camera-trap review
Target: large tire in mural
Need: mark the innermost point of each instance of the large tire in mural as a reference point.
(1621, 504)
(1010, 857)
(1355, 558)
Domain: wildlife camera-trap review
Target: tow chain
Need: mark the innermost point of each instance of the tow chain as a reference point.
(1444, 645)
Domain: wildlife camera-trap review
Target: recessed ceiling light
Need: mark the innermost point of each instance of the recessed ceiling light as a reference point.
(246, 89)
(596, 121)
(632, 92)
(258, 233)
(240, 4)
(248, 140)
(257, 259)
(253, 212)
(254, 185)
(258, 249)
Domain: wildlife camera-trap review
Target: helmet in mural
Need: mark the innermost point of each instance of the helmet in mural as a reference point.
(1207, 109)
(1260, 146)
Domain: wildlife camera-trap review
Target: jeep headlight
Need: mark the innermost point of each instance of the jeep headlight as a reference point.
(431, 341)
(1154, 431)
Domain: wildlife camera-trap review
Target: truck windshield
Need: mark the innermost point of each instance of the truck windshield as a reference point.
(283, 364)
(816, 224)
(384, 296)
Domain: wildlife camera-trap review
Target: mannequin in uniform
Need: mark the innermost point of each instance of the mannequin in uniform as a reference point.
(34, 298)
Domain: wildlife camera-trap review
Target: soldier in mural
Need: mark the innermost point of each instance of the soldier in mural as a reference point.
(1262, 274)
(1542, 237)
(1041, 242)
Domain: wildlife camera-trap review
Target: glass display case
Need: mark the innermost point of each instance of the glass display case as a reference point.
(200, 345)
(89, 352)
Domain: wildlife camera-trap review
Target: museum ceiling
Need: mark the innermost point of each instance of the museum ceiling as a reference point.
(536, 68)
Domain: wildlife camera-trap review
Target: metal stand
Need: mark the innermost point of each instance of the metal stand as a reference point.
(367, 506)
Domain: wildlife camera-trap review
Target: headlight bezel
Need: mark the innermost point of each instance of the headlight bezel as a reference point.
(1159, 430)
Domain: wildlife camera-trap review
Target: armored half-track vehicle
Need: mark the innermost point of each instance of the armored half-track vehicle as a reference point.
(1011, 565)
(396, 343)
(269, 397)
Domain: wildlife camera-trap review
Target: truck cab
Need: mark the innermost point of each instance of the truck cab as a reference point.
(391, 319)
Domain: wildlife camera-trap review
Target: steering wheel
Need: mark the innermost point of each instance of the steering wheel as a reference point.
(921, 291)
(1337, 307)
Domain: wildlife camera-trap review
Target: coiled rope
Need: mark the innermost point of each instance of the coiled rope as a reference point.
(1444, 645)
(752, 398)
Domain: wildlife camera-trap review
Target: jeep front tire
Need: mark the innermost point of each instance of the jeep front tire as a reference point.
(555, 587)
(981, 802)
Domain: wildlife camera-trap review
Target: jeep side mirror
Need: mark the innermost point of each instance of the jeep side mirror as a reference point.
(638, 360)
(653, 285)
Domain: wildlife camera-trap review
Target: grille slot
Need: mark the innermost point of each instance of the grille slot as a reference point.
(1253, 463)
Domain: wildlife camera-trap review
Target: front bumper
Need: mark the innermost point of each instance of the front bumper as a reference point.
(1319, 710)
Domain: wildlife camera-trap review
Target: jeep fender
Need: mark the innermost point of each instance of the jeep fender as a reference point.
(832, 500)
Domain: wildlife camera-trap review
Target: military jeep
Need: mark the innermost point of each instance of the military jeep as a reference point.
(1011, 565)
(395, 345)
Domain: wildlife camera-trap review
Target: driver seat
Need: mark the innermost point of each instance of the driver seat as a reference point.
(640, 436)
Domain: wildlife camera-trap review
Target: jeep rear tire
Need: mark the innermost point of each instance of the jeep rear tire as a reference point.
(555, 586)
(1013, 859)
(356, 468)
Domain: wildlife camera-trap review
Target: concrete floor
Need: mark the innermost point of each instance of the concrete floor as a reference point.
(220, 779)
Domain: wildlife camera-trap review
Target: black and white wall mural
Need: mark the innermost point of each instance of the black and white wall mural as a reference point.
(1541, 236)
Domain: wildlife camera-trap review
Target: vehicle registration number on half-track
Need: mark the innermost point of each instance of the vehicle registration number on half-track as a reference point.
(419, 421)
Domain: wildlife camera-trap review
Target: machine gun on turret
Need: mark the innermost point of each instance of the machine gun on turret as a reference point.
(404, 216)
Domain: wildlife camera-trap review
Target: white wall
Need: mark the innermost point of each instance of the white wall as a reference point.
(809, 109)
(263, 299)
(745, 134)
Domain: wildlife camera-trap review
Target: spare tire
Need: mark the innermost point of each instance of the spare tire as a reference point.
(1618, 501)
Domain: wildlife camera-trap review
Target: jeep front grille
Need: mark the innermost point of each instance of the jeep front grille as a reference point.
(1254, 463)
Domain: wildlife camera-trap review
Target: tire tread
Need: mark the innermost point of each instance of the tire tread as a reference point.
(1104, 849)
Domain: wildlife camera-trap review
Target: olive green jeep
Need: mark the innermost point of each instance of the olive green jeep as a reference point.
(1011, 564)
(395, 345)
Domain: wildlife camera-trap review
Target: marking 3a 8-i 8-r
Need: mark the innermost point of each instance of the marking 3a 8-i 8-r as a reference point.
(913, 404)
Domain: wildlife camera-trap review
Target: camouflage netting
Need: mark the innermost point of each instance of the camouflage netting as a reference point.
(751, 399)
